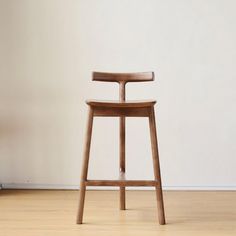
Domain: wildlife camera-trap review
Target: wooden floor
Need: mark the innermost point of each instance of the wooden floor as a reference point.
(34, 212)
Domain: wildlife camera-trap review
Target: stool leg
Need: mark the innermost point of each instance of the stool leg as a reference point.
(156, 166)
(84, 172)
(122, 160)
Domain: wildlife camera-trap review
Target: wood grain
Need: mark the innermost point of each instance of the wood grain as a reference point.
(122, 147)
(122, 104)
(50, 213)
(156, 167)
(119, 112)
(123, 77)
(123, 183)
(84, 172)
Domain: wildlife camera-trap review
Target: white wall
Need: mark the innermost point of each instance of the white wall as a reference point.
(47, 52)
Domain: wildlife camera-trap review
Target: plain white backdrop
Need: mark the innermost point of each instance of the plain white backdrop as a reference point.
(48, 50)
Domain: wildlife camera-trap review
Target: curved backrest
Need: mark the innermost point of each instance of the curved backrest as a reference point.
(123, 77)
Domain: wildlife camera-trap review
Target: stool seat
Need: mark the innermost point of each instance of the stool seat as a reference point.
(121, 104)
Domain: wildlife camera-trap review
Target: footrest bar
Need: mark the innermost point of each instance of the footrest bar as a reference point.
(121, 183)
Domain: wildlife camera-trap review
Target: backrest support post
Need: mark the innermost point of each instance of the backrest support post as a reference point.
(122, 90)
(122, 79)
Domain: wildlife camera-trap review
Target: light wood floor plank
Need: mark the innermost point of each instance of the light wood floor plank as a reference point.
(46, 213)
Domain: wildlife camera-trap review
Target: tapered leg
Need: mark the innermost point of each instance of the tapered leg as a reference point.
(122, 161)
(156, 167)
(84, 172)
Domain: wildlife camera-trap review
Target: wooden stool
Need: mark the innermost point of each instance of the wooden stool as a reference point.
(122, 109)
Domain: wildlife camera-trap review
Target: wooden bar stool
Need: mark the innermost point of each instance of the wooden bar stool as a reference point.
(122, 109)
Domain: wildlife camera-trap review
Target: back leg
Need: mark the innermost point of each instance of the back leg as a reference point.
(122, 161)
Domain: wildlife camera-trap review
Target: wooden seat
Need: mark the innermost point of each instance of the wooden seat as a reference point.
(122, 109)
(112, 103)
